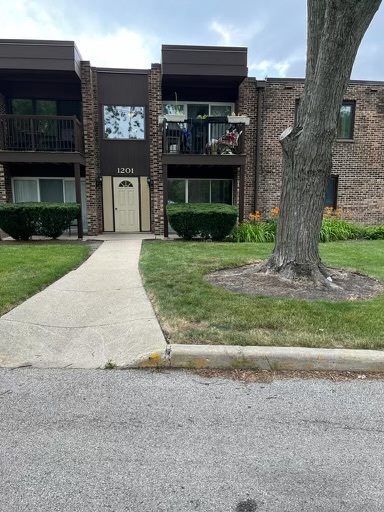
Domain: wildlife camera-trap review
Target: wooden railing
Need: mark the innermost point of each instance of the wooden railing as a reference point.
(203, 137)
(41, 133)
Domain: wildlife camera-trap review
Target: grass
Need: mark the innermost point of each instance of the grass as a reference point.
(193, 311)
(27, 269)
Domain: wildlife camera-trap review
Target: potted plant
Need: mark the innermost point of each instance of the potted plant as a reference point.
(178, 116)
(235, 119)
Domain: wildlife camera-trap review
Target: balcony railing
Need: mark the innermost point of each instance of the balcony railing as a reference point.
(41, 133)
(203, 137)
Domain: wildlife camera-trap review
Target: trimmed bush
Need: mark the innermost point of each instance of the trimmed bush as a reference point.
(208, 220)
(22, 220)
(18, 220)
(54, 218)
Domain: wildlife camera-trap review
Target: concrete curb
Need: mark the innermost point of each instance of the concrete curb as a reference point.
(261, 358)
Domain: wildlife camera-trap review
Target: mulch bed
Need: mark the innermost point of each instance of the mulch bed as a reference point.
(351, 285)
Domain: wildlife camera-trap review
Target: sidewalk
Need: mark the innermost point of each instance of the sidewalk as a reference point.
(97, 313)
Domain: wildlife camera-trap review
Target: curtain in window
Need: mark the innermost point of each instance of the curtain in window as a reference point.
(25, 191)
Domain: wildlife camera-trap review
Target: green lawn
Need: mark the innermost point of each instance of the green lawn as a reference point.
(193, 311)
(26, 269)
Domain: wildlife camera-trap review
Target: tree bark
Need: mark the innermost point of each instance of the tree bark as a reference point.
(335, 30)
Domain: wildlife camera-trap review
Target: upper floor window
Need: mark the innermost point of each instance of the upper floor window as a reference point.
(124, 122)
(346, 121)
(34, 107)
(31, 106)
(196, 110)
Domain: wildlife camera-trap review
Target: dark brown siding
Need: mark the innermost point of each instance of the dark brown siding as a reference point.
(123, 88)
(204, 60)
(40, 85)
(39, 55)
(43, 170)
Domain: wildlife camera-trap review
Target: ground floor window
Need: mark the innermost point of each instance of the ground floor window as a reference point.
(49, 190)
(200, 191)
(331, 194)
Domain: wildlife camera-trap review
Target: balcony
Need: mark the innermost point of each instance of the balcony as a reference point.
(41, 139)
(210, 141)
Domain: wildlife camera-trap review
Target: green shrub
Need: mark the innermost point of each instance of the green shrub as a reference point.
(254, 232)
(54, 218)
(22, 220)
(18, 220)
(208, 220)
(374, 233)
(334, 228)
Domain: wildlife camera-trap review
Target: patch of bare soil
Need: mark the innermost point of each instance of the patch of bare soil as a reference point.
(265, 376)
(350, 285)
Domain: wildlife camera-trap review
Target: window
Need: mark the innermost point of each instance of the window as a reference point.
(25, 191)
(124, 122)
(25, 107)
(346, 121)
(60, 190)
(199, 191)
(194, 109)
(51, 191)
(28, 106)
(331, 194)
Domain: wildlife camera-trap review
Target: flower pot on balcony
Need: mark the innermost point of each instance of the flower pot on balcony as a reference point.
(174, 118)
(238, 119)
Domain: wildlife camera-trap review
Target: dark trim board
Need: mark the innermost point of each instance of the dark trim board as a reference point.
(220, 160)
(41, 157)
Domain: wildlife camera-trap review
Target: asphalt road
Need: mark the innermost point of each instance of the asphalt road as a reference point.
(88, 440)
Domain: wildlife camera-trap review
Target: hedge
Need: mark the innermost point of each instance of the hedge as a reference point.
(208, 220)
(22, 220)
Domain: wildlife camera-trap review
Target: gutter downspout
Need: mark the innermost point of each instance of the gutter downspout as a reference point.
(259, 126)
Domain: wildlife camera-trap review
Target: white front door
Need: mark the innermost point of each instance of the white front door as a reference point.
(126, 193)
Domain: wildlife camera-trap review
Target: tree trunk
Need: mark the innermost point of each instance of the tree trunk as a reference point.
(335, 30)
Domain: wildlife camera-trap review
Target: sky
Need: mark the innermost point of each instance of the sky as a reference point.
(129, 34)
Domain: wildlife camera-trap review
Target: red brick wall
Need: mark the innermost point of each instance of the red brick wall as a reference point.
(247, 104)
(155, 137)
(92, 168)
(359, 164)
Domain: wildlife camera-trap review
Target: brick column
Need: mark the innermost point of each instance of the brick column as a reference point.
(5, 179)
(155, 145)
(5, 185)
(92, 167)
(247, 105)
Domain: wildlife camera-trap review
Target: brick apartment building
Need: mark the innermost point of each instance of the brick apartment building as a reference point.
(125, 142)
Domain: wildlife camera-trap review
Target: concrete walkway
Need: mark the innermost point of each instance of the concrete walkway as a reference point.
(95, 314)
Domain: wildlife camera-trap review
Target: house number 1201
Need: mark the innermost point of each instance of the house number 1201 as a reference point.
(125, 170)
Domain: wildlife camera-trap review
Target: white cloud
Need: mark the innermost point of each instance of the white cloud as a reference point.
(123, 48)
(270, 68)
(235, 36)
(277, 68)
(226, 33)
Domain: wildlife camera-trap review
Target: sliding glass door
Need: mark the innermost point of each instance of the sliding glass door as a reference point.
(200, 191)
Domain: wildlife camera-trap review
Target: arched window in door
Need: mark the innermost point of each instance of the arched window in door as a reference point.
(125, 184)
